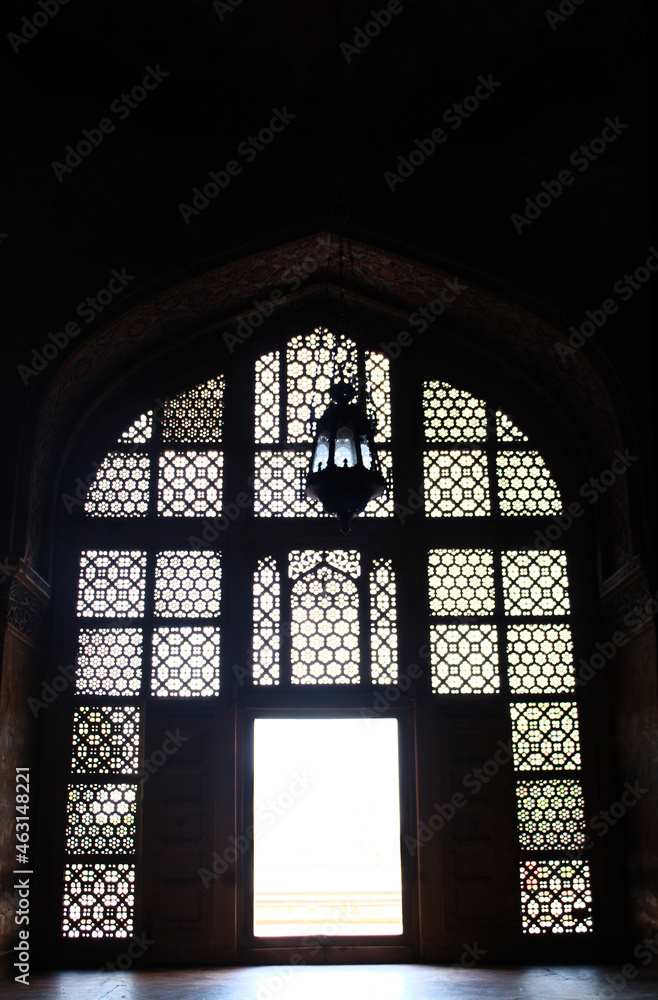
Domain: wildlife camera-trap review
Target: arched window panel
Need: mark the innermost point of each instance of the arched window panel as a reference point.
(556, 897)
(189, 482)
(506, 431)
(291, 392)
(121, 486)
(195, 416)
(323, 619)
(140, 431)
(525, 486)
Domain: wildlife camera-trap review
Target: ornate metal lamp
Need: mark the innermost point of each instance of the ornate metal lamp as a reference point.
(344, 474)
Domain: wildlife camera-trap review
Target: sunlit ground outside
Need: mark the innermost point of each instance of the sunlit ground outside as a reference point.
(326, 827)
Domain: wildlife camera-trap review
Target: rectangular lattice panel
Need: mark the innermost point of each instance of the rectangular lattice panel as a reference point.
(101, 819)
(550, 814)
(456, 484)
(190, 483)
(379, 385)
(279, 485)
(535, 582)
(99, 901)
(452, 415)
(187, 584)
(545, 736)
(556, 897)
(525, 486)
(382, 506)
(111, 584)
(267, 621)
(324, 617)
(185, 662)
(461, 582)
(109, 662)
(105, 739)
(140, 431)
(540, 659)
(121, 486)
(195, 417)
(464, 659)
(383, 623)
(266, 412)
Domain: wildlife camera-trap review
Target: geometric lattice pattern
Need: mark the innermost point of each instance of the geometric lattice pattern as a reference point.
(545, 736)
(98, 900)
(535, 582)
(185, 662)
(105, 739)
(550, 814)
(101, 819)
(187, 584)
(195, 417)
(111, 584)
(325, 628)
(109, 662)
(309, 364)
(279, 484)
(121, 486)
(506, 431)
(540, 659)
(266, 423)
(383, 628)
(525, 486)
(190, 483)
(452, 415)
(267, 616)
(378, 382)
(140, 431)
(456, 484)
(346, 561)
(556, 897)
(382, 506)
(464, 659)
(461, 581)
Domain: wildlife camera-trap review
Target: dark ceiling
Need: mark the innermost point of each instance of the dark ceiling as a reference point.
(230, 64)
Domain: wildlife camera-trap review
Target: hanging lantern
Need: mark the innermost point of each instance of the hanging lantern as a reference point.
(344, 474)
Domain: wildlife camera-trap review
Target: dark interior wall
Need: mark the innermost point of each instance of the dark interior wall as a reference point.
(554, 84)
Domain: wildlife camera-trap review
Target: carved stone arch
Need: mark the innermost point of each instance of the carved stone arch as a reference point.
(485, 331)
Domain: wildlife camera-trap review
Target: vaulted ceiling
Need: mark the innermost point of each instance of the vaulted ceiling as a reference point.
(352, 103)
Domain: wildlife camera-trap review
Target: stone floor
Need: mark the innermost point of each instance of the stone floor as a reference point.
(345, 982)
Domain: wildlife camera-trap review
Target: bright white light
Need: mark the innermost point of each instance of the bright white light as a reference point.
(326, 827)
